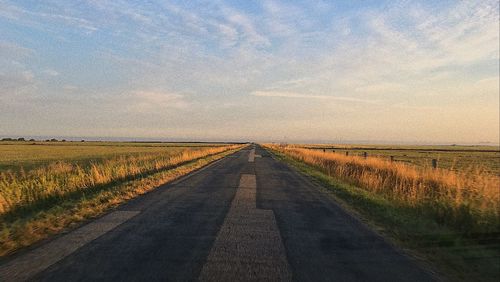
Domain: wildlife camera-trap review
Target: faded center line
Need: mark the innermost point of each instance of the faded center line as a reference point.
(26, 266)
(248, 245)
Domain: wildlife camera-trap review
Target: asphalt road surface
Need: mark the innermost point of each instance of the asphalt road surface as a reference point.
(247, 217)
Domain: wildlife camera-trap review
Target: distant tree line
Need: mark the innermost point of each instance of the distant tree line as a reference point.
(21, 139)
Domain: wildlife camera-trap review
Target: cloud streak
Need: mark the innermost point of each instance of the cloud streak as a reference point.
(294, 95)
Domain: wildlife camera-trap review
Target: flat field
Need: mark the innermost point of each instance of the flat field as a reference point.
(456, 158)
(28, 155)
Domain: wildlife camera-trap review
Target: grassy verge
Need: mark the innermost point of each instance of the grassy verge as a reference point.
(25, 227)
(456, 158)
(459, 256)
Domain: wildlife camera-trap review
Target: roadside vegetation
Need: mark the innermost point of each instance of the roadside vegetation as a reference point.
(50, 197)
(452, 217)
(452, 157)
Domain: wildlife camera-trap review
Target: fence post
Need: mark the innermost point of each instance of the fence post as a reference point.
(347, 153)
(434, 163)
(365, 155)
(392, 159)
(324, 150)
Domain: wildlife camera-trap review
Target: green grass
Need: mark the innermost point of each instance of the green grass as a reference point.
(449, 157)
(458, 256)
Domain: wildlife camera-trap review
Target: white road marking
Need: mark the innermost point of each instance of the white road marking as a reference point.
(251, 156)
(26, 266)
(248, 245)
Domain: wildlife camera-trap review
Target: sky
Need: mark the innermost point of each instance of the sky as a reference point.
(283, 71)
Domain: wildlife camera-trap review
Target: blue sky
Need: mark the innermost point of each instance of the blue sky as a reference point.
(400, 71)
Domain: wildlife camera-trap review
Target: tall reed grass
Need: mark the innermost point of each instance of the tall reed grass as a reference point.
(24, 189)
(467, 201)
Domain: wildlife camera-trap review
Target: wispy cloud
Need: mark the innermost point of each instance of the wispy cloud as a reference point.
(383, 87)
(284, 94)
(16, 79)
(12, 50)
(17, 84)
(144, 101)
(35, 19)
(51, 72)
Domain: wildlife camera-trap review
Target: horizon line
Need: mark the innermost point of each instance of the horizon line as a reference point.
(242, 140)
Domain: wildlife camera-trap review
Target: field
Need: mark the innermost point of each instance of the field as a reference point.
(450, 214)
(458, 158)
(47, 186)
(29, 155)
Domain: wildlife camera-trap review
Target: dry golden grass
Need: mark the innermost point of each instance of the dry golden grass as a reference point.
(468, 201)
(19, 190)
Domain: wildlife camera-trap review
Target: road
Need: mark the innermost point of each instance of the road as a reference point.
(247, 217)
